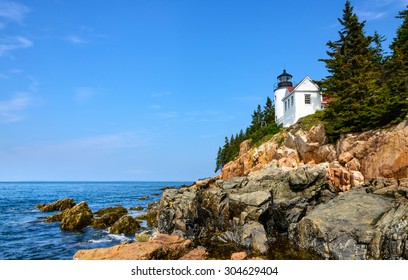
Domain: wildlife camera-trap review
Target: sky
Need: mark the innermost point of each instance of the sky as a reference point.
(142, 90)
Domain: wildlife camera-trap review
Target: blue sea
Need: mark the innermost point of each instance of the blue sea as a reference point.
(24, 235)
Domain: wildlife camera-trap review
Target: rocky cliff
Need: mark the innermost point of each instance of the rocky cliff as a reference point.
(295, 184)
(355, 158)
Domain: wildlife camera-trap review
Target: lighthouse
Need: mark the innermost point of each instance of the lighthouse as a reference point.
(284, 82)
(295, 102)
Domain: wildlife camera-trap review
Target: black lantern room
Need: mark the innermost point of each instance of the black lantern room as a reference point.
(284, 80)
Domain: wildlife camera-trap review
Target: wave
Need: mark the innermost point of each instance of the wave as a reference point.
(110, 238)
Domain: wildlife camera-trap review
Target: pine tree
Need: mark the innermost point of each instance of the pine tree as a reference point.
(257, 119)
(353, 78)
(263, 123)
(397, 73)
(218, 161)
(269, 111)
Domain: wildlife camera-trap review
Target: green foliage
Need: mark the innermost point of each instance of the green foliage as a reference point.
(397, 73)
(308, 121)
(368, 90)
(262, 125)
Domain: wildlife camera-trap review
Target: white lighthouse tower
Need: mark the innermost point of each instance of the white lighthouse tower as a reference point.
(284, 82)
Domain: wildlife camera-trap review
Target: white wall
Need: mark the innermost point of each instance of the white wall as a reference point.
(279, 106)
(300, 109)
(307, 109)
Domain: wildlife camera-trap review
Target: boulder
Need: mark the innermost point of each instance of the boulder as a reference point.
(305, 176)
(126, 225)
(55, 218)
(161, 247)
(108, 216)
(245, 146)
(243, 210)
(199, 253)
(354, 225)
(254, 237)
(120, 210)
(106, 220)
(239, 256)
(381, 152)
(59, 205)
(77, 217)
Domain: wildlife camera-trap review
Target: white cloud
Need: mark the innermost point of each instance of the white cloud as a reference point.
(13, 11)
(11, 110)
(8, 44)
(377, 9)
(370, 15)
(76, 40)
(34, 84)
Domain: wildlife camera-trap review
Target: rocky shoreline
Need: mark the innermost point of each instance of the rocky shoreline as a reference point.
(346, 201)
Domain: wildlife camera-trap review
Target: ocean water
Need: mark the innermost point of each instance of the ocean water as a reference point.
(24, 235)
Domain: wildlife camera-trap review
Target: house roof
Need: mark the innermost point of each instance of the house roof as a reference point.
(291, 90)
(327, 99)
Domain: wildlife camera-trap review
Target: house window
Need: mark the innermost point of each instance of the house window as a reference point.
(286, 105)
(291, 100)
(307, 99)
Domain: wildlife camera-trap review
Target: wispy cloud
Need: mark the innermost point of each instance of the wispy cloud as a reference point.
(34, 84)
(371, 15)
(76, 40)
(13, 11)
(8, 44)
(11, 110)
(376, 9)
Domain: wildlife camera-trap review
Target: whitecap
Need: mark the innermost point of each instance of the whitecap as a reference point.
(119, 237)
(102, 240)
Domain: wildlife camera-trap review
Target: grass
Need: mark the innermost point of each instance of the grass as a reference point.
(306, 123)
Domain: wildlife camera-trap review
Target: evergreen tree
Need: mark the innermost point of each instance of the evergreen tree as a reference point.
(262, 124)
(218, 162)
(269, 111)
(354, 69)
(257, 119)
(397, 73)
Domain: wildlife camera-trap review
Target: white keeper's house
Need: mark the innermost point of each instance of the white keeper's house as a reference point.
(295, 102)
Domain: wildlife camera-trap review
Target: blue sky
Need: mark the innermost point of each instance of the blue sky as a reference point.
(147, 90)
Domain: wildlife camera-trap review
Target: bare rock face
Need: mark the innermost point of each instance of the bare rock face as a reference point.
(245, 146)
(363, 223)
(380, 153)
(199, 253)
(332, 200)
(359, 156)
(161, 247)
(108, 216)
(77, 217)
(243, 210)
(238, 256)
(59, 205)
(126, 225)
